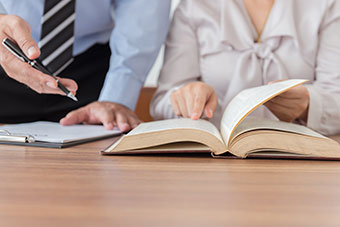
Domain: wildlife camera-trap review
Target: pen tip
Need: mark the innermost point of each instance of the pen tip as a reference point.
(70, 95)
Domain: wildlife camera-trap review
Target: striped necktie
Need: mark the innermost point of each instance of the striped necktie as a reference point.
(57, 34)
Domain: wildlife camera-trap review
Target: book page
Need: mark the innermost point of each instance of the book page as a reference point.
(248, 100)
(252, 124)
(52, 132)
(265, 142)
(172, 148)
(182, 123)
(148, 137)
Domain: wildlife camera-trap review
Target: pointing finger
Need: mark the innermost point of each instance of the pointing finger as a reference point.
(211, 105)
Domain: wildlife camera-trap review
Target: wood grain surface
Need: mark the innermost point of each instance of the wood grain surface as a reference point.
(79, 187)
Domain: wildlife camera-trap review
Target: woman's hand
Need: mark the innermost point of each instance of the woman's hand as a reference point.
(194, 99)
(291, 105)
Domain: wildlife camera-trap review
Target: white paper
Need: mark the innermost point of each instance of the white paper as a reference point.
(52, 132)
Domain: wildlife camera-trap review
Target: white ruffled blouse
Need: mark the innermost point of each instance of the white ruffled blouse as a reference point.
(213, 41)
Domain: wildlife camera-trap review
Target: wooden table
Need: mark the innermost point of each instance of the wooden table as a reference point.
(79, 187)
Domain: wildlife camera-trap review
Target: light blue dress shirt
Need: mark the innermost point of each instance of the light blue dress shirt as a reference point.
(136, 30)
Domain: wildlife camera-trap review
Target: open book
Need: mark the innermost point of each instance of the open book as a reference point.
(239, 136)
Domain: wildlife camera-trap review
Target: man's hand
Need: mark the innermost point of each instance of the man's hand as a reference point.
(16, 29)
(107, 113)
(194, 99)
(291, 105)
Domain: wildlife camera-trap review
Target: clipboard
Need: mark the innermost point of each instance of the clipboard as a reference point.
(55, 135)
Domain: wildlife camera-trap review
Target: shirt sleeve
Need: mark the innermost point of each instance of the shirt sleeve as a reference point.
(181, 62)
(324, 107)
(2, 9)
(140, 30)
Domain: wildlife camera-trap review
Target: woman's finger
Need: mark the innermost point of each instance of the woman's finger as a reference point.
(174, 104)
(198, 105)
(181, 103)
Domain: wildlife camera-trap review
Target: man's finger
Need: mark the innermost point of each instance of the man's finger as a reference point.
(22, 35)
(70, 84)
(75, 117)
(38, 81)
(133, 121)
(122, 122)
(33, 78)
(106, 117)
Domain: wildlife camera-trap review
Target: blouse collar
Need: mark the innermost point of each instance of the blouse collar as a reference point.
(237, 29)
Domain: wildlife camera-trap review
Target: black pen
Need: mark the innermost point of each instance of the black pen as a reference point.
(14, 49)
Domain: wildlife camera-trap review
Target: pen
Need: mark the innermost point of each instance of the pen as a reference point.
(14, 49)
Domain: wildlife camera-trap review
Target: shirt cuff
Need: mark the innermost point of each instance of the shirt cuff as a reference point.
(315, 108)
(124, 90)
(161, 107)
